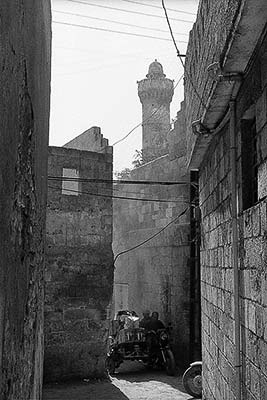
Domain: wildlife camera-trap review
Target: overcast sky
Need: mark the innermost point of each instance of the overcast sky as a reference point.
(94, 71)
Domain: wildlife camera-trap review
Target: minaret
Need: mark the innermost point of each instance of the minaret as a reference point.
(155, 93)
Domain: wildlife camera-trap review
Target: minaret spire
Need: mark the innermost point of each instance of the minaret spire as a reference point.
(155, 93)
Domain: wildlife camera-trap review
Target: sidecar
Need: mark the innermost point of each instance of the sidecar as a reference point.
(128, 344)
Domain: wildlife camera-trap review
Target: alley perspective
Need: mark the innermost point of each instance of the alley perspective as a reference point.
(133, 195)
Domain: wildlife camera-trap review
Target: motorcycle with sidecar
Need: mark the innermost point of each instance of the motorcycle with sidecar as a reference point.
(137, 344)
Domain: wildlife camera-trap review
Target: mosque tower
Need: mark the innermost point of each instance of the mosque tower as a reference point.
(155, 93)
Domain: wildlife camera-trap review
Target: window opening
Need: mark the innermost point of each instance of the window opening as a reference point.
(70, 188)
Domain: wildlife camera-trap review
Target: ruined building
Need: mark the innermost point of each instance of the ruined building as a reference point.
(79, 266)
(156, 275)
(24, 105)
(226, 68)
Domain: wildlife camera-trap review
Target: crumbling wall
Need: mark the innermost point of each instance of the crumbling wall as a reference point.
(79, 268)
(24, 106)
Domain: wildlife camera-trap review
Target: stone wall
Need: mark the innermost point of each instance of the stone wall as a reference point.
(157, 274)
(216, 255)
(79, 268)
(91, 140)
(24, 106)
(208, 41)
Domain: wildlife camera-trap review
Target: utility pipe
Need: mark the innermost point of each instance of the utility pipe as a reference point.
(235, 249)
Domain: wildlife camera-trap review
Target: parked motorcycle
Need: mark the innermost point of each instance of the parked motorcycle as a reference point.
(152, 348)
(160, 353)
(192, 379)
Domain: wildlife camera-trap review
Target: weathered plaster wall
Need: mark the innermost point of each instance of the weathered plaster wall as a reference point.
(79, 268)
(157, 273)
(216, 256)
(24, 106)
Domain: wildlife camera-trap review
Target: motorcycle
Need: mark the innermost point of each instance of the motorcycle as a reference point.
(160, 353)
(152, 348)
(192, 379)
(129, 344)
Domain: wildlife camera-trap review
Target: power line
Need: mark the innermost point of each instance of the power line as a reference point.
(179, 55)
(126, 11)
(116, 22)
(112, 31)
(118, 181)
(118, 197)
(152, 5)
(141, 123)
(151, 237)
(119, 190)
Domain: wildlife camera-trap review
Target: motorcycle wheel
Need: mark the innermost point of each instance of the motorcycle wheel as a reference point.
(170, 362)
(110, 365)
(192, 381)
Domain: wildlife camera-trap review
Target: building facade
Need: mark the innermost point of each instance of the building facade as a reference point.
(156, 274)
(226, 65)
(24, 104)
(79, 266)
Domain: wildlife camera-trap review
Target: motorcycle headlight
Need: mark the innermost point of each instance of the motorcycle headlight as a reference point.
(163, 336)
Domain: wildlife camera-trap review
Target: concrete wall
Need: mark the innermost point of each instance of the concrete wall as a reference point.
(216, 256)
(156, 275)
(79, 268)
(24, 106)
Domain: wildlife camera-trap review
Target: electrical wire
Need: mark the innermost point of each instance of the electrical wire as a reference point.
(119, 190)
(179, 55)
(117, 197)
(119, 181)
(116, 22)
(151, 237)
(142, 123)
(127, 11)
(152, 5)
(112, 31)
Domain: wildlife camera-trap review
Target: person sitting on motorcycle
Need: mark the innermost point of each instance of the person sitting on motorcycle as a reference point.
(155, 322)
(152, 325)
(145, 321)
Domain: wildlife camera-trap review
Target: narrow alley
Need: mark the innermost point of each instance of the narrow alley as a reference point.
(130, 383)
(133, 198)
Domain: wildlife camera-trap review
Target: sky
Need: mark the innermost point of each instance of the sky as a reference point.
(95, 71)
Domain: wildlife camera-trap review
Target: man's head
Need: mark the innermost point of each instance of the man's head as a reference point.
(146, 314)
(155, 315)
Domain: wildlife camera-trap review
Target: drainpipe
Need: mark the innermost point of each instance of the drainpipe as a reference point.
(235, 249)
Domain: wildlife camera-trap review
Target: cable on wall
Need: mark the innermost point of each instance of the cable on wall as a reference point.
(151, 237)
(111, 196)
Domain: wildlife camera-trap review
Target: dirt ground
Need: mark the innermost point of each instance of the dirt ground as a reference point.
(132, 382)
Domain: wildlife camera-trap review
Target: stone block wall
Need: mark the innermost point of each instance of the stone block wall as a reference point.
(208, 41)
(25, 32)
(157, 273)
(218, 344)
(79, 267)
(90, 140)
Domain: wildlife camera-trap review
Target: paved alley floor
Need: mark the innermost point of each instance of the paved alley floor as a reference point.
(133, 383)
